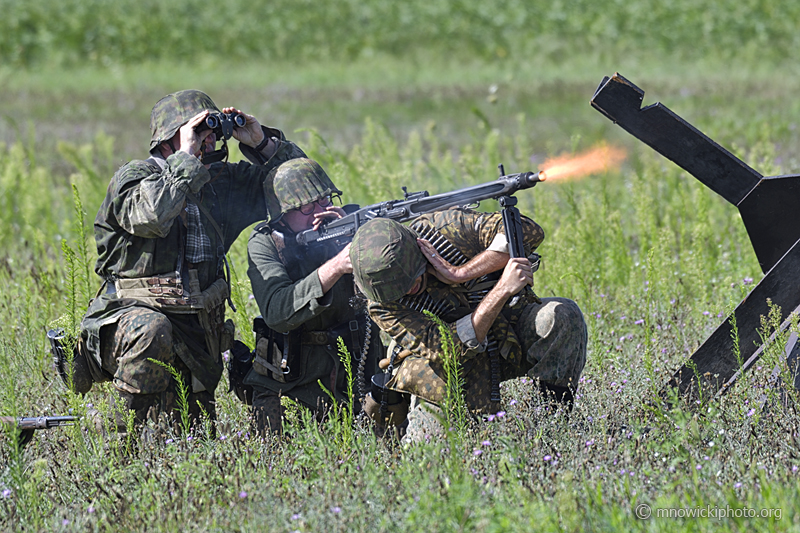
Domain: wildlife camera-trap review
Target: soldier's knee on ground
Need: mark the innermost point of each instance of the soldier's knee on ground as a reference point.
(140, 338)
(267, 412)
(144, 406)
(556, 314)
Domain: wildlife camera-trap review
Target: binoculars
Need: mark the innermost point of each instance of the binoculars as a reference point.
(222, 124)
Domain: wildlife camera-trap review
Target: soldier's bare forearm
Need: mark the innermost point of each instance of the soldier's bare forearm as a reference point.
(487, 311)
(484, 263)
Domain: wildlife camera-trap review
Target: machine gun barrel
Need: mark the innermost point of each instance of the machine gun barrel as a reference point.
(417, 204)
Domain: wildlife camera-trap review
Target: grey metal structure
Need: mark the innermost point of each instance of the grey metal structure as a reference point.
(767, 206)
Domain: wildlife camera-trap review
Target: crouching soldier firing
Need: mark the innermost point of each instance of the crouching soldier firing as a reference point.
(162, 234)
(403, 275)
(305, 295)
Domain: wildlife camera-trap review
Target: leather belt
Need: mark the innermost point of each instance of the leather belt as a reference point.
(328, 336)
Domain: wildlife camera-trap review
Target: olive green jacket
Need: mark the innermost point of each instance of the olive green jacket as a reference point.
(140, 233)
(289, 294)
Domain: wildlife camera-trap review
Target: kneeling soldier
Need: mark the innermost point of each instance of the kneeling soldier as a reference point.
(305, 295)
(403, 275)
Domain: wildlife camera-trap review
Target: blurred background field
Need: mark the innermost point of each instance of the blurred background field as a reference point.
(431, 95)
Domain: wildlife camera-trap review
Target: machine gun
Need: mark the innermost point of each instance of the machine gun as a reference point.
(28, 425)
(415, 204)
(767, 206)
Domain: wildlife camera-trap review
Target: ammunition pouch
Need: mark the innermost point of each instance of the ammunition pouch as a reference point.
(277, 354)
(168, 294)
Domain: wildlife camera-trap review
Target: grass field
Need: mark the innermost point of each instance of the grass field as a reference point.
(654, 259)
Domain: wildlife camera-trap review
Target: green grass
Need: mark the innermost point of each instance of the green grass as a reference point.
(70, 32)
(653, 258)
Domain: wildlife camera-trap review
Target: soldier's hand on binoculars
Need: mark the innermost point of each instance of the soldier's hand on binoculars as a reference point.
(251, 134)
(191, 140)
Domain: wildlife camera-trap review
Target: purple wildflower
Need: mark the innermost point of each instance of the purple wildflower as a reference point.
(476, 453)
(243, 495)
(336, 510)
(546, 458)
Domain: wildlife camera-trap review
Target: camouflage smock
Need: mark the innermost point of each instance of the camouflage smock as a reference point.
(289, 294)
(139, 232)
(421, 372)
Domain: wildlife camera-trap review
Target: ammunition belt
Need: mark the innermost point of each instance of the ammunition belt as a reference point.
(477, 289)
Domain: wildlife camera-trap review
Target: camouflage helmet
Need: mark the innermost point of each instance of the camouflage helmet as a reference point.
(386, 259)
(175, 110)
(296, 183)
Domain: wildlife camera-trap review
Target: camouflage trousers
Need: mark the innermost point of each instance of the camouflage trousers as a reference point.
(553, 338)
(127, 346)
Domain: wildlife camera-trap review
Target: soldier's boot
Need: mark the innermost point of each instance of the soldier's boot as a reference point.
(144, 406)
(267, 412)
(74, 371)
(562, 395)
(389, 420)
(202, 408)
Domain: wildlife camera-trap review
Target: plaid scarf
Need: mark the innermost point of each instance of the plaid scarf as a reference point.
(198, 245)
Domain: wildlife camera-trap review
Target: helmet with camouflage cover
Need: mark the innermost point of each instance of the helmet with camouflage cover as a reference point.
(296, 183)
(175, 110)
(386, 259)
